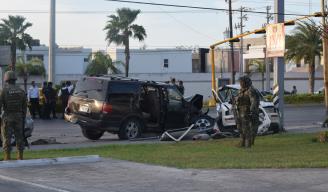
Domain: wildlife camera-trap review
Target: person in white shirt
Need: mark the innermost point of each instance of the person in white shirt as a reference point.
(33, 98)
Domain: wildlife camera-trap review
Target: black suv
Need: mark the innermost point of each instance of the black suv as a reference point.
(129, 107)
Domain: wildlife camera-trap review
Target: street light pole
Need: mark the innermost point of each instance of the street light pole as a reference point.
(324, 53)
(232, 55)
(52, 41)
(279, 64)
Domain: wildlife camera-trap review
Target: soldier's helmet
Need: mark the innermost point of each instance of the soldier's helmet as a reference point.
(246, 80)
(10, 75)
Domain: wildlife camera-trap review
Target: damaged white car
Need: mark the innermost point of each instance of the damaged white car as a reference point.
(269, 116)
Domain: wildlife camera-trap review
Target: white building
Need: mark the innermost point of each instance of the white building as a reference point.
(70, 63)
(155, 60)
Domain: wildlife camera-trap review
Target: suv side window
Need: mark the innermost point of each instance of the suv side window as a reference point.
(91, 88)
(174, 95)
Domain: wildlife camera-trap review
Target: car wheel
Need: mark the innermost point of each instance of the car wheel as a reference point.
(204, 122)
(92, 134)
(131, 129)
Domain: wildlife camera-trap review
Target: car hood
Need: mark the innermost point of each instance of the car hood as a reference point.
(196, 101)
(266, 104)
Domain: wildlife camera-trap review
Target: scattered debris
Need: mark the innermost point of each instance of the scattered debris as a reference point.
(49, 141)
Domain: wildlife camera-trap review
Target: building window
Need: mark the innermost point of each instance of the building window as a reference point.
(86, 59)
(29, 57)
(166, 63)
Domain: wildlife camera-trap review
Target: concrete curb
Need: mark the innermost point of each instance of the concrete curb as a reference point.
(54, 161)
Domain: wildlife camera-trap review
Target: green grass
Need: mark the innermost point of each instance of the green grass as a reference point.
(276, 151)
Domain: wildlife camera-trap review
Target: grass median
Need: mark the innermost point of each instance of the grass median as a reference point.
(275, 151)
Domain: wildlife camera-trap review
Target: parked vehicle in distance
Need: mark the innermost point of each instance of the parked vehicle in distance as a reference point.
(129, 107)
(269, 118)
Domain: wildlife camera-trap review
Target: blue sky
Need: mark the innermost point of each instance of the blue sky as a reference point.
(166, 27)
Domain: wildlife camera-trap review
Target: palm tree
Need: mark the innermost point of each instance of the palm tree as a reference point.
(12, 32)
(305, 44)
(120, 28)
(99, 64)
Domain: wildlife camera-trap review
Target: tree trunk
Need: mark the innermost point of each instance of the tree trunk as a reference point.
(12, 65)
(127, 56)
(311, 76)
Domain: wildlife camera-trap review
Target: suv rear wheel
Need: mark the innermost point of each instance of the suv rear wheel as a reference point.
(92, 134)
(130, 129)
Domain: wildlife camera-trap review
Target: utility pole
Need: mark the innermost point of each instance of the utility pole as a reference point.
(279, 64)
(233, 72)
(52, 41)
(325, 53)
(243, 17)
(269, 17)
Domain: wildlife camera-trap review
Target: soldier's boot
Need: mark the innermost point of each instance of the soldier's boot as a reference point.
(19, 155)
(6, 156)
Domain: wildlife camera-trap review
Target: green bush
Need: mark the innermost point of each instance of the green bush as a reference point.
(300, 98)
(323, 137)
(304, 98)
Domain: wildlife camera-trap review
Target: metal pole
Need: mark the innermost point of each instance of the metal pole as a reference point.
(231, 45)
(52, 41)
(325, 55)
(241, 57)
(213, 68)
(266, 60)
(279, 73)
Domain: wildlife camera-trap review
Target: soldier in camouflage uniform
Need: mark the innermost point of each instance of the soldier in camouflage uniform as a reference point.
(13, 102)
(247, 102)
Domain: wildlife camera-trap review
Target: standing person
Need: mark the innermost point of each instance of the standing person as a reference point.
(34, 98)
(181, 87)
(52, 100)
(14, 104)
(247, 102)
(70, 87)
(294, 91)
(46, 105)
(63, 94)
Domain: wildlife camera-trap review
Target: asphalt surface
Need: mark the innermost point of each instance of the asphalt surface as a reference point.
(306, 118)
(121, 176)
(116, 175)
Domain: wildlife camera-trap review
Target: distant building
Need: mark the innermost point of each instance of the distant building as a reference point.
(155, 60)
(70, 63)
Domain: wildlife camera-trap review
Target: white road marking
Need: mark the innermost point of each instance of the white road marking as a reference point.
(32, 184)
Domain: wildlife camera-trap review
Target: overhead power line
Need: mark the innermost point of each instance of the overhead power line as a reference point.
(203, 8)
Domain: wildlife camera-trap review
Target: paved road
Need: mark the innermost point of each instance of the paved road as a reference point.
(121, 176)
(298, 119)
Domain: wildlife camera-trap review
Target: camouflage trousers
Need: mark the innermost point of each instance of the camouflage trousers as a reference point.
(12, 125)
(246, 133)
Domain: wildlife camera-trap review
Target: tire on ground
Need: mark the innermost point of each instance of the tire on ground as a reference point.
(131, 128)
(92, 134)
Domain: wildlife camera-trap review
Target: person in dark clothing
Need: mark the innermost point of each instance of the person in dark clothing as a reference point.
(45, 108)
(51, 98)
(181, 87)
(64, 94)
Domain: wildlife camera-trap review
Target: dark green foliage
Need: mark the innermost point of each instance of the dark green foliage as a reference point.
(305, 44)
(12, 32)
(301, 98)
(99, 64)
(120, 28)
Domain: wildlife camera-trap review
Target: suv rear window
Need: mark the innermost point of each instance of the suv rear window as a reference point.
(123, 88)
(91, 88)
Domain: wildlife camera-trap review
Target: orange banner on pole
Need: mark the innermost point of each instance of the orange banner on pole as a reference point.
(275, 39)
